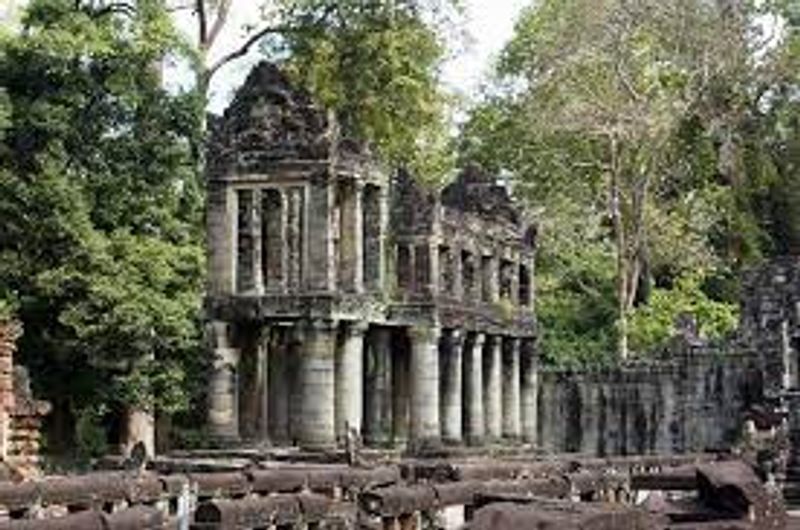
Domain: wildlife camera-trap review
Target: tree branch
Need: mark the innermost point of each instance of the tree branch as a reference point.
(200, 9)
(249, 43)
(110, 9)
(219, 23)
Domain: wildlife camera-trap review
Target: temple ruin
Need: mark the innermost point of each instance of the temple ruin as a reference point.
(347, 302)
(345, 298)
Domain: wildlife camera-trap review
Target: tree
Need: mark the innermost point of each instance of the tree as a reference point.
(599, 91)
(374, 63)
(101, 179)
(100, 239)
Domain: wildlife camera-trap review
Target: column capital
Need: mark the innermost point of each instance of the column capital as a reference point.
(356, 327)
(219, 333)
(320, 324)
(493, 340)
(480, 339)
(423, 333)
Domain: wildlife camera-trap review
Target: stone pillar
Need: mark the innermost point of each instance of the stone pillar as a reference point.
(515, 283)
(349, 380)
(265, 344)
(473, 390)
(490, 277)
(511, 389)
(351, 237)
(294, 223)
(221, 229)
(790, 368)
(273, 239)
(378, 394)
(256, 230)
(452, 390)
(401, 394)
(280, 382)
(458, 273)
(321, 274)
(373, 238)
(140, 428)
(424, 384)
(529, 376)
(316, 416)
(223, 407)
(492, 389)
(358, 235)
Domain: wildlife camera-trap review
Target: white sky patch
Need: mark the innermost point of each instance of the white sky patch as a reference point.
(489, 24)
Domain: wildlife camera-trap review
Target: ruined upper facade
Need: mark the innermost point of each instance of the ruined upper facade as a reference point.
(346, 299)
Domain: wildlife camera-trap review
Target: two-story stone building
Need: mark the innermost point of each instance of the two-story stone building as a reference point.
(344, 295)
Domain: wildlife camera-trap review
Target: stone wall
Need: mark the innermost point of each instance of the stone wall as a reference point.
(694, 396)
(20, 414)
(692, 402)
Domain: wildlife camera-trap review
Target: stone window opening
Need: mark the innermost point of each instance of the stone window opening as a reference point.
(468, 273)
(422, 267)
(347, 235)
(486, 276)
(506, 270)
(404, 277)
(524, 286)
(245, 277)
(372, 235)
(272, 236)
(294, 235)
(446, 272)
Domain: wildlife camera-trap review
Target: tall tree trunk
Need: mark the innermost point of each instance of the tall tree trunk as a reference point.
(619, 235)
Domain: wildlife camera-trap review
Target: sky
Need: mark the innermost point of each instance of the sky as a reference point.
(488, 25)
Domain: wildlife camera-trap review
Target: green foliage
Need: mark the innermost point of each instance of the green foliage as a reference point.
(100, 209)
(653, 324)
(675, 112)
(90, 435)
(377, 65)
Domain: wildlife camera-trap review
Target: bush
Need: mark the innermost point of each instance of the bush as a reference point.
(652, 324)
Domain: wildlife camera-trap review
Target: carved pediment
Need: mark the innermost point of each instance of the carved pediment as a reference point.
(269, 120)
(478, 192)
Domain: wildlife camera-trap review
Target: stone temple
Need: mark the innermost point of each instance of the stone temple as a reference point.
(345, 300)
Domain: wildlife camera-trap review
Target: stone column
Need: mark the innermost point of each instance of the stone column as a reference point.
(221, 230)
(515, 282)
(223, 406)
(473, 389)
(529, 391)
(140, 428)
(280, 375)
(286, 233)
(401, 395)
(262, 382)
(349, 380)
(316, 416)
(424, 384)
(458, 273)
(511, 389)
(321, 274)
(492, 390)
(351, 237)
(452, 390)
(378, 395)
(491, 277)
(256, 229)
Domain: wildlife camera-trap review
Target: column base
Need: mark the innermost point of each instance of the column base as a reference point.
(425, 447)
(475, 441)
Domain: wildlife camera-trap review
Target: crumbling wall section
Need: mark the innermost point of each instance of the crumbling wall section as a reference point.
(20, 414)
(692, 402)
